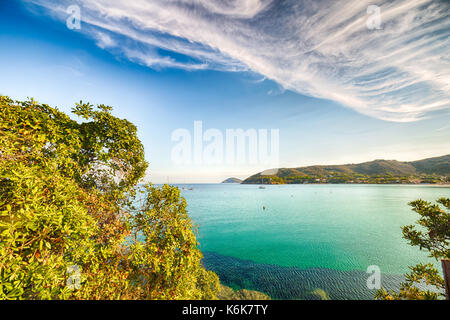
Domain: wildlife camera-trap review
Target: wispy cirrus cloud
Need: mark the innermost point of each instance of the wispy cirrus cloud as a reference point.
(320, 48)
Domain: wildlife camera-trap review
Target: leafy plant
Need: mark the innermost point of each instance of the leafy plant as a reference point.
(69, 212)
(433, 236)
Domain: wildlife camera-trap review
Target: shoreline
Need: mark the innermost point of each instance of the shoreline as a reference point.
(298, 184)
(365, 184)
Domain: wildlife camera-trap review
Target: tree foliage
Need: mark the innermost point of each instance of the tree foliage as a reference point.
(73, 226)
(433, 235)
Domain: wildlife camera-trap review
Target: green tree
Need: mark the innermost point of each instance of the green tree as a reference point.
(69, 203)
(433, 236)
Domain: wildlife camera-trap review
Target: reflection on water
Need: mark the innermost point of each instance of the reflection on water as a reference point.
(294, 283)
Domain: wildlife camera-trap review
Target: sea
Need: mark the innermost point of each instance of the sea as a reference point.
(309, 241)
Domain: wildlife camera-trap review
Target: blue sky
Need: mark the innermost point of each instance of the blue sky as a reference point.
(338, 91)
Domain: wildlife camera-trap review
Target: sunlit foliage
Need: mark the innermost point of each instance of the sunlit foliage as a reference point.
(72, 222)
(432, 235)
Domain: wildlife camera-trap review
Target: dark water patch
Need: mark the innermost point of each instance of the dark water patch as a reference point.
(294, 283)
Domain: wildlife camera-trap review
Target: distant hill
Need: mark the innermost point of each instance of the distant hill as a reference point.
(431, 170)
(437, 165)
(232, 180)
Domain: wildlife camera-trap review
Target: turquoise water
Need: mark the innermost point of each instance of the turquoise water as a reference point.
(335, 227)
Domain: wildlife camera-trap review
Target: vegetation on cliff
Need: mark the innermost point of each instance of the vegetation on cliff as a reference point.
(433, 235)
(72, 223)
(227, 293)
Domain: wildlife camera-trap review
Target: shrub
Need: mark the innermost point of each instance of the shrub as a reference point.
(71, 225)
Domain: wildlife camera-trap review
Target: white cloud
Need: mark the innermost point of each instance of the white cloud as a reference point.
(104, 40)
(154, 60)
(236, 8)
(320, 48)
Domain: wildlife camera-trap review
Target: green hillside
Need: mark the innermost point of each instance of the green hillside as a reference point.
(432, 170)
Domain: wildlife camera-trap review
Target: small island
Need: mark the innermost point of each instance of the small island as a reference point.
(232, 180)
